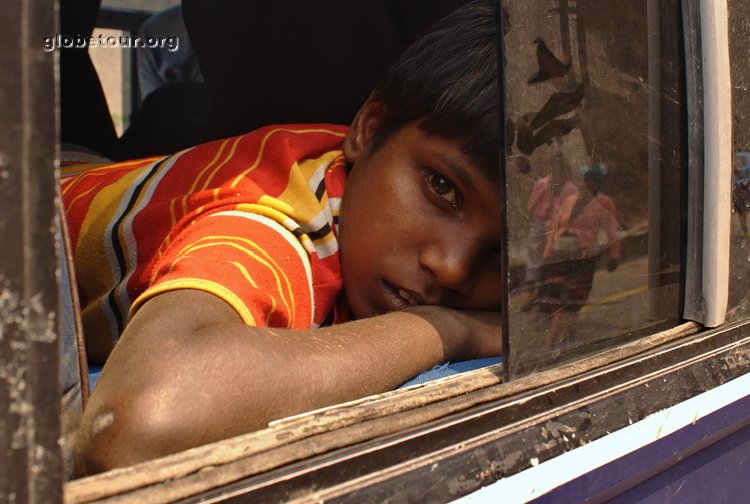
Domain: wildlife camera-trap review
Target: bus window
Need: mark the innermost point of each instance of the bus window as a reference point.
(594, 173)
(614, 124)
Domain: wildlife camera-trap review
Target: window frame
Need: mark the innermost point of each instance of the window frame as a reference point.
(436, 441)
(710, 144)
(31, 470)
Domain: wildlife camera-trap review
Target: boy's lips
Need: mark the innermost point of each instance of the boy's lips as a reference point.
(408, 297)
(398, 298)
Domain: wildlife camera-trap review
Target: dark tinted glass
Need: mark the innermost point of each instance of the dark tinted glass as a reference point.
(594, 164)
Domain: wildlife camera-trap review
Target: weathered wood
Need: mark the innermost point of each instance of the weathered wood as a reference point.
(31, 467)
(301, 437)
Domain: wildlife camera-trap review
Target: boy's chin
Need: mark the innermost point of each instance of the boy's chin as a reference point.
(357, 307)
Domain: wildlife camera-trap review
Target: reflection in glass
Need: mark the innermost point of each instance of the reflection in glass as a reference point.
(594, 257)
(741, 190)
(739, 267)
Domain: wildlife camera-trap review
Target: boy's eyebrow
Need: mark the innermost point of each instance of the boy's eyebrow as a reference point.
(460, 167)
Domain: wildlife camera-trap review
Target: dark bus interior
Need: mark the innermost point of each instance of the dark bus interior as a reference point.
(286, 62)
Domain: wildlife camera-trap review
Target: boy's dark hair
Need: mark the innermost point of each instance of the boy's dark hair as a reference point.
(449, 78)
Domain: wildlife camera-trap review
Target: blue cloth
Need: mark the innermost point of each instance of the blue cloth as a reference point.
(70, 372)
(440, 371)
(94, 372)
(450, 369)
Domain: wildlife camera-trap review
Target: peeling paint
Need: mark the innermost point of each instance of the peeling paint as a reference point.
(554, 433)
(23, 323)
(738, 358)
(40, 322)
(511, 460)
(461, 486)
(9, 307)
(29, 317)
(557, 428)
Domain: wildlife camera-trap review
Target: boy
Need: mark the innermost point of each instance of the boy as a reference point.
(298, 266)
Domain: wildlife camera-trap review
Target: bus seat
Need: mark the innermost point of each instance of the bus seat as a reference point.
(296, 61)
(84, 114)
(73, 369)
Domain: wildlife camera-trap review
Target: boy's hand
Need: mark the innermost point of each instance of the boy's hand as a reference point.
(465, 334)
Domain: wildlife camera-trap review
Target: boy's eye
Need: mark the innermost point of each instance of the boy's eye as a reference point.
(443, 188)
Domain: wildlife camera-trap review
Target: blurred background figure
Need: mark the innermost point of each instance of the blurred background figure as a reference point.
(176, 111)
(159, 65)
(741, 189)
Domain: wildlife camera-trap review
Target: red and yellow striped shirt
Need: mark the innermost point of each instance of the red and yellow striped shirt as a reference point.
(250, 219)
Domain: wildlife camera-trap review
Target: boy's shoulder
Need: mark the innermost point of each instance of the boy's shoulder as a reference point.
(302, 131)
(277, 141)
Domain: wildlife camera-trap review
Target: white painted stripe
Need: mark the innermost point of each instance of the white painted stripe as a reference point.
(290, 238)
(537, 481)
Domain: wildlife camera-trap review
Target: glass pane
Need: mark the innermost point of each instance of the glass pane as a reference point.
(593, 115)
(739, 53)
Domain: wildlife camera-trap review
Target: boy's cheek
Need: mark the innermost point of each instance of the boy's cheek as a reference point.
(487, 294)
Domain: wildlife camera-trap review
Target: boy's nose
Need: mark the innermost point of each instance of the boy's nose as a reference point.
(450, 264)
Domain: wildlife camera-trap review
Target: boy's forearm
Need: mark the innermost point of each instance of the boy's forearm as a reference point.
(163, 393)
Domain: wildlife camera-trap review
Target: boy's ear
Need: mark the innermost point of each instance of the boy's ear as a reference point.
(363, 129)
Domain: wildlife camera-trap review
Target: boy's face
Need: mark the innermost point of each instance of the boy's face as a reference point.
(419, 224)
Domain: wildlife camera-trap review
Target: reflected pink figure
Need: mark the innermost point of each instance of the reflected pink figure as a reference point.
(569, 273)
(547, 196)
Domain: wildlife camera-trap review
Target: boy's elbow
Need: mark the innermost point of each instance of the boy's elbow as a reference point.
(96, 449)
(112, 436)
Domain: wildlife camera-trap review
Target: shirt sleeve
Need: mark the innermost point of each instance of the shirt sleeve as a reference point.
(250, 261)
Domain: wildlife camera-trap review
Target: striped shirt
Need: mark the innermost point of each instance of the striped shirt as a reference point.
(250, 219)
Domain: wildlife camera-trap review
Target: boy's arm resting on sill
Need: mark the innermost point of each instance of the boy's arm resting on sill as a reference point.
(187, 372)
